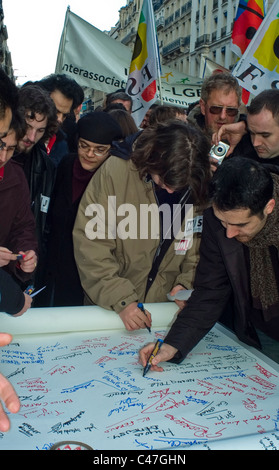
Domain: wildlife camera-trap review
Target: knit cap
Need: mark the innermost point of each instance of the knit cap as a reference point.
(99, 127)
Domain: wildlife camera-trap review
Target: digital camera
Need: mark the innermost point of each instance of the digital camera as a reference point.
(219, 151)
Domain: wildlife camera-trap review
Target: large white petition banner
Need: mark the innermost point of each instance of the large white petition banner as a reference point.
(88, 386)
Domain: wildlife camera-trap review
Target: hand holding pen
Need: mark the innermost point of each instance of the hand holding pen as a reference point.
(154, 353)
(134, 318)
(27, 260)
(141, 307)
(6, 256)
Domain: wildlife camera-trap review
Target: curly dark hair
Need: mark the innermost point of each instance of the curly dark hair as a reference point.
(66, 85)
(34, 99)
(178, 153)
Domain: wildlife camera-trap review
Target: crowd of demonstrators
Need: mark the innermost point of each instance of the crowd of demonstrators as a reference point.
(169, 167)
(55, 164)
(96, 131)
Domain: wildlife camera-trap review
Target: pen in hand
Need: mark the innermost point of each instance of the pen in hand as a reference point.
(155, 351)
(141, 307)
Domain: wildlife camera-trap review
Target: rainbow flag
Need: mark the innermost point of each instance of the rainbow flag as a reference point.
(145, 67)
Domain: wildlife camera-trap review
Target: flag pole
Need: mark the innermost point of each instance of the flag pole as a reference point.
(145, 69)
(158, 53)
(61, 48)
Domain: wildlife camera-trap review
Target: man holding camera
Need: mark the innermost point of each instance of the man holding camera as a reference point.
(219, 105)
(259, 138)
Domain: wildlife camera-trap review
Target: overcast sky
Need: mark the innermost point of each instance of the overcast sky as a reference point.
(35, 27)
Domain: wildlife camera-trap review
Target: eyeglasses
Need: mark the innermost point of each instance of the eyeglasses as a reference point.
(98, 151)
(230, 111)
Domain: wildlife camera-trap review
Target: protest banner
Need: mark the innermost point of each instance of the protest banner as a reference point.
(97, 61)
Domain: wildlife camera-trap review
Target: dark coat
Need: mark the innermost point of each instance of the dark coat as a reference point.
(63, 282)
(221, 282)
(59, 149)
(246, 149)
(40, 173)
(17, 228)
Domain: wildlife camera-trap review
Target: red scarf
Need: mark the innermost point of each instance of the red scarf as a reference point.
(2, 173)
(50, 143)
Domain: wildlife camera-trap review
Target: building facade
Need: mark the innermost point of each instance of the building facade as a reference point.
(5, 55)
(188, 31)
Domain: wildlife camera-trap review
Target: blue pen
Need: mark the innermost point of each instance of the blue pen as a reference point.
(155, 351)
(141, 307)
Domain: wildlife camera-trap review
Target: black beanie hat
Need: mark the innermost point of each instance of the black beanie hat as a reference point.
(99, 127)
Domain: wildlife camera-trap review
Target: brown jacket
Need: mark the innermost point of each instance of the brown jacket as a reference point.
(115, 270)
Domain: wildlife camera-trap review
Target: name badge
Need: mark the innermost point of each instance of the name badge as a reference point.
(44, 203)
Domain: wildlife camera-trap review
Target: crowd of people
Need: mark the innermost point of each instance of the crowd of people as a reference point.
(106, 213)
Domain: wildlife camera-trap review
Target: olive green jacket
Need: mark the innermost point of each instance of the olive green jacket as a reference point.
(115, 267)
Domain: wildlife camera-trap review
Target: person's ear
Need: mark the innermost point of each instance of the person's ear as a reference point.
(269, 206)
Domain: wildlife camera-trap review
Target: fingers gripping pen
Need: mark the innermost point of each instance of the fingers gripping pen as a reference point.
(155, 351)
(141, 307)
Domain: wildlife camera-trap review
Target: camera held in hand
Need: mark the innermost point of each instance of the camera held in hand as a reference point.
(219, 151)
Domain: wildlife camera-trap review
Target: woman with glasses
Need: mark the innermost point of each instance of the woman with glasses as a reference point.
(95, 133)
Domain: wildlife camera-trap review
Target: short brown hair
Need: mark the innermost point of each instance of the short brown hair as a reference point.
(220, 81)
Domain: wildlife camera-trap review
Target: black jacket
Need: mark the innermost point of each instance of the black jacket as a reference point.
(221, 282)
(245, 149)
(63, 283)
(40, 174)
